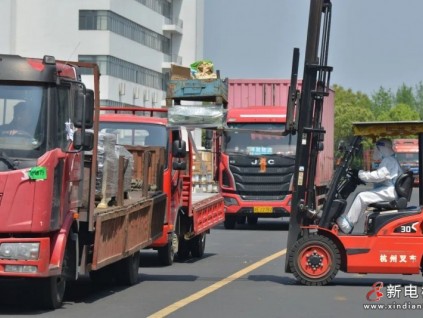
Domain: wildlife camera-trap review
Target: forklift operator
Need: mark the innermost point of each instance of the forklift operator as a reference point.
(384, 184)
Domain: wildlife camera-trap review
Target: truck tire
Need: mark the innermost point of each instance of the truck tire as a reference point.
(314, 260)
(183, 249)
(230, 221)
(252, 220)
(127, 269)
(198, 245)
(167, 253)
(51, 291)
(241, 219)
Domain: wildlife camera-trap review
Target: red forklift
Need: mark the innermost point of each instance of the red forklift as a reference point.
(392, 240)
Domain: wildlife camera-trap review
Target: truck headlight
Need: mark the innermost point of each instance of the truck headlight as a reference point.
(20, 251)
(230, 201)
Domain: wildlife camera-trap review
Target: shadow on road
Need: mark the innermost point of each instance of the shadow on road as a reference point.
(262, 225)
(339, 281)
(150, 259)
(19, 297)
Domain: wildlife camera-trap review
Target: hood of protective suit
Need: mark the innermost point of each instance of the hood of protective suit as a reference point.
(383, 149)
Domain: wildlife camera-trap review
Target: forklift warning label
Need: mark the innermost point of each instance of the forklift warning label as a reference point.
(400, 297)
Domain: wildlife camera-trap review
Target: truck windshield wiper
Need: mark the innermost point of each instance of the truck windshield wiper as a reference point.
(6, 160)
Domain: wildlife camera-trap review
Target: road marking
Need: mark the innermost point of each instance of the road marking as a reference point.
(204, 292)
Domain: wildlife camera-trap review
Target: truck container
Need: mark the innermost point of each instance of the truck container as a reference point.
(61, 217)
(256, 161)
(190, 215)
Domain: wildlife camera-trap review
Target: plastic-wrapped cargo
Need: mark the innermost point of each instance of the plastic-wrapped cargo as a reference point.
(129, 167)
(107, 173)
(198, 115)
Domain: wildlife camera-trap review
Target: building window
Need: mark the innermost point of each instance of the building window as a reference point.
(160, 6)
(112, 66)
(110, 21)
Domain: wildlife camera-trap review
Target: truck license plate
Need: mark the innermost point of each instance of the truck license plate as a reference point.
(263, 209)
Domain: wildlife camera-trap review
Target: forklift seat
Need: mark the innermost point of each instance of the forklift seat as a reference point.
(404, 188)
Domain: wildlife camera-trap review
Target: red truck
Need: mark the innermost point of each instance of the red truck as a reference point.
(189, 215)
(407, 153)
(53, 227)
(255, 168)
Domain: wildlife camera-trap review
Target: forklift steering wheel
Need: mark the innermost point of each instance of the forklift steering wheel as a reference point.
(353, 175)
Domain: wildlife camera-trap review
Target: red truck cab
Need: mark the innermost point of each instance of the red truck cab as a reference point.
(256, 167)
(54, 226)
(257, 160)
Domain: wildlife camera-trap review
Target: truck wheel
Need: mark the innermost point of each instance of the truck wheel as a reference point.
(183, 249)
(314, 260)
(229, 222)
(198, 245)
(167, 253)
(52, 291)
(241, 219)
(127, 269)
(252, 220)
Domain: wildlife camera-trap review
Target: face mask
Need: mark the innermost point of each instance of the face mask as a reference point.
(381, 152)
(377, 155)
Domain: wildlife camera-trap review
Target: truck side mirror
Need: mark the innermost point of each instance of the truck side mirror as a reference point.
(179, 149)
(179, 165)
(83, 141)
(83, 108)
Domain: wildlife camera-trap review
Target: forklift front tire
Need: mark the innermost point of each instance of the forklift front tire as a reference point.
(314, 260)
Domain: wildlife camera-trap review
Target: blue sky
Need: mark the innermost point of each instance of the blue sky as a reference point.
(373, 43)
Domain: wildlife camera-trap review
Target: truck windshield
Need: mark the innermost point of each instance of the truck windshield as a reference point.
(136, 134)
(22, 129)
(246, 140)
(408, 157)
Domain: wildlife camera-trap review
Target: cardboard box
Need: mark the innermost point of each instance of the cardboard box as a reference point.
(178, 72)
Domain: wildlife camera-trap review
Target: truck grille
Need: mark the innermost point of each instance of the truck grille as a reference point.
(253, 184)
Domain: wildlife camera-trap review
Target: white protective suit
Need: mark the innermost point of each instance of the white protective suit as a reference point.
(384, 179)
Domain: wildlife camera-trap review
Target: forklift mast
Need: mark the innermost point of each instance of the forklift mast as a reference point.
(308, 115)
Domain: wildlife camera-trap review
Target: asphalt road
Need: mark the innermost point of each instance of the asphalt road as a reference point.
(258, 287)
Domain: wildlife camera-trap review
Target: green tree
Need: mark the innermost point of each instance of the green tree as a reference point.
(349, 107)
(401, 112)
(405, 95)
(382, 101)
(419, 99)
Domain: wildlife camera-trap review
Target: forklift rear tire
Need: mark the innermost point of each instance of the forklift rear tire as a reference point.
(314, 260)
(230, 221)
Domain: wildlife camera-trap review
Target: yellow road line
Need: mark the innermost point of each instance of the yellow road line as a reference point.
(204, 292)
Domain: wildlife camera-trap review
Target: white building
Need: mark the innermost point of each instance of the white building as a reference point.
(134, 42)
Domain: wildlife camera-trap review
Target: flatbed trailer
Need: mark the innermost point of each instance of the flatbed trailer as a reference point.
(189, 216)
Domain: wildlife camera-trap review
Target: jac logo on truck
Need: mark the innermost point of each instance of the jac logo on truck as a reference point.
(407, 228)
(263, 162)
